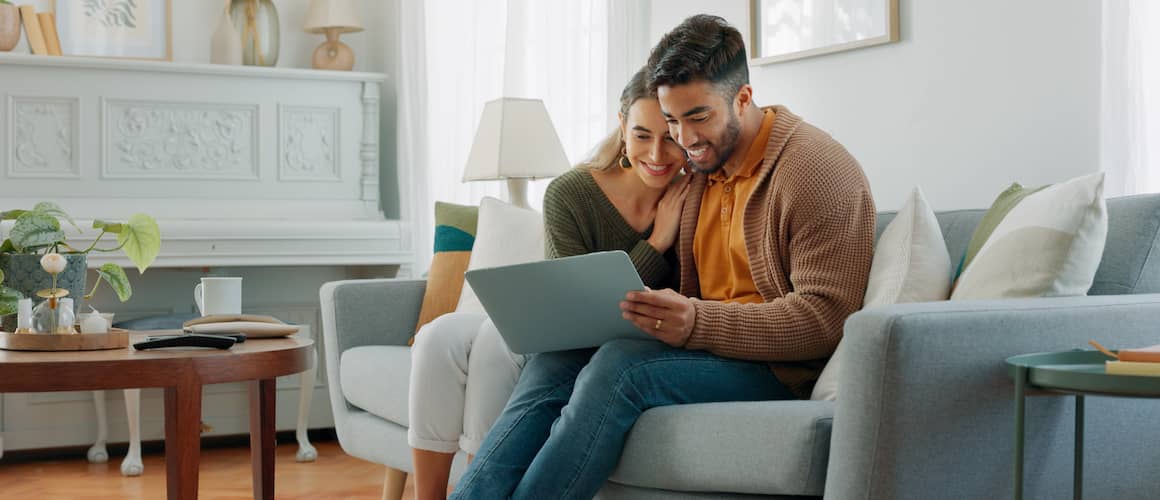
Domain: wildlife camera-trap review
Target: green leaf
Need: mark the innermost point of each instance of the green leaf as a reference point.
(112, 227)
(50, 208)
(7, 247)
(8, 300)
(116, 278)
(12, 214)
(1, 275)
(141, 239)
(34, 230)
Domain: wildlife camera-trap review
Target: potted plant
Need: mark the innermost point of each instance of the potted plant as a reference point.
(38, 232)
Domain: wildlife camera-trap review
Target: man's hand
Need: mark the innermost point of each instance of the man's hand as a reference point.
(664, 314)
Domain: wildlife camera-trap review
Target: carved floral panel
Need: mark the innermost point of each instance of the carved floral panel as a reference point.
(44, 137)
(308, 148)
(149, 140)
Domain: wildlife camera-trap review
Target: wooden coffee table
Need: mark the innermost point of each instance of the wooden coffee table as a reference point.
(182, 373)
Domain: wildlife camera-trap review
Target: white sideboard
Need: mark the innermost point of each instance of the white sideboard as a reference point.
(267, 173)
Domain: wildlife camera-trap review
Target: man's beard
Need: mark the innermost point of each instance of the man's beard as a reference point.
(729, 142)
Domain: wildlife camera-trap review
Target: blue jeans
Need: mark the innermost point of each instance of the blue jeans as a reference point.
(564, 427)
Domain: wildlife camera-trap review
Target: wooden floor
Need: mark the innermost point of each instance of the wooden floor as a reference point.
(225, 474)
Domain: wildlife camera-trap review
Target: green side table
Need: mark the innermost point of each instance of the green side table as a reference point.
(1077, 373)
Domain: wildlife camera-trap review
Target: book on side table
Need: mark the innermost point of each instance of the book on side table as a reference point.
(1140, 361)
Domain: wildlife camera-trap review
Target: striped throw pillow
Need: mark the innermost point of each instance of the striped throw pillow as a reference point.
(455, 227)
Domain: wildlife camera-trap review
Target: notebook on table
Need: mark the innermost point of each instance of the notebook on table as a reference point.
(559, 304)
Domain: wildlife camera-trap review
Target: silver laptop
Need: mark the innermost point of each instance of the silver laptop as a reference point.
(559, 304)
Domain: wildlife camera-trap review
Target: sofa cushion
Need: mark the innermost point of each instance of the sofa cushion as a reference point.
(764, 447)
(910, 265)
(1129, 264)
(506, 235)
(376, 379)
(454, 236)
(1045, 242)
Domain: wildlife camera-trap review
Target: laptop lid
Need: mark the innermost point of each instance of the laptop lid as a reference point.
(559, 304)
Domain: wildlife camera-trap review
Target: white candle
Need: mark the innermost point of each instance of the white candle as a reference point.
(94, 323)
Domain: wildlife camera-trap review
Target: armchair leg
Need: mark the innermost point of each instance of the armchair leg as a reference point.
(393, 484)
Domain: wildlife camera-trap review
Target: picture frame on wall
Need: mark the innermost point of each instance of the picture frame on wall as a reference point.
(127, 29)
(786, 30)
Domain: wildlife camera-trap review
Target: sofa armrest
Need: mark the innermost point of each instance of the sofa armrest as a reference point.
(372, 311)
(363, 312)
(926, 403)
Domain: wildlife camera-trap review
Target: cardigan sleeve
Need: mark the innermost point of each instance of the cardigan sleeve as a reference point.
(829, 261)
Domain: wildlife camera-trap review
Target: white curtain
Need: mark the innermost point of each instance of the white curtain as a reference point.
(1130, 97)
(574, 54)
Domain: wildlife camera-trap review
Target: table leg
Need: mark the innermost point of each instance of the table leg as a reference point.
(1020, 410)
(1078, 480)
(182, 440)
(262, 399)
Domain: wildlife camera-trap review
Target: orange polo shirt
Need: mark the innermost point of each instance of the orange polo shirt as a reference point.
(719, 241)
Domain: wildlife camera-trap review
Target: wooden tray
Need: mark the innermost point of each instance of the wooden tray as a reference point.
(117, 338)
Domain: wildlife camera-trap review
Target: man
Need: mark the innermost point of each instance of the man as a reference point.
(775, 246)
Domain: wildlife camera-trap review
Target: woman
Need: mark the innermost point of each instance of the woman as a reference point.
(623, 198)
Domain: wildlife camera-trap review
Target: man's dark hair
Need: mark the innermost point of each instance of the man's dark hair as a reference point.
(703, 47)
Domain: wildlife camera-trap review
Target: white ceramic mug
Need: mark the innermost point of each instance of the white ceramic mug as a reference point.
(218, 296)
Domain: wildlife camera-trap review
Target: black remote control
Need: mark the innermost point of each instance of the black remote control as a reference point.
(237, 336)
(190, 340)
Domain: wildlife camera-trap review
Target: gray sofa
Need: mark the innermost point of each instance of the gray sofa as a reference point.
(925, 409)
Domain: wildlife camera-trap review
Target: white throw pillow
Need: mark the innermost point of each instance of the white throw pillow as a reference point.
(506, 235)
(1048, 243)
(911, 264)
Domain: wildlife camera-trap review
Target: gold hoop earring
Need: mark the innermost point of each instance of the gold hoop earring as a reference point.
(624, 163)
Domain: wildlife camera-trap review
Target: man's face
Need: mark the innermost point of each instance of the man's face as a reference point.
(702, 121)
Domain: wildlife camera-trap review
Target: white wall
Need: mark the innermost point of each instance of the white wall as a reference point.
(975, 96)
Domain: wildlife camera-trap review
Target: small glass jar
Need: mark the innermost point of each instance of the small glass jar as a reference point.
(54, 316)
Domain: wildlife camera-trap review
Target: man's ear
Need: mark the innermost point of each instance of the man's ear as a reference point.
(744, 99)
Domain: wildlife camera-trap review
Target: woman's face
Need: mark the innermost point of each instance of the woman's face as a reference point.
(654, 155)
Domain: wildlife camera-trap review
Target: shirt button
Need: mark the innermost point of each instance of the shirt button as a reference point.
(728, 189)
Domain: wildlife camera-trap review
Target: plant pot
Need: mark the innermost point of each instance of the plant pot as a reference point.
(9, 27)
(24, 274)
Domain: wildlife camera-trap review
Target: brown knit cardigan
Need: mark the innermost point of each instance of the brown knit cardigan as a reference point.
(809, 232)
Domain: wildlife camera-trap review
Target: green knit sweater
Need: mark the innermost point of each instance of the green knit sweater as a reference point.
(580, 219)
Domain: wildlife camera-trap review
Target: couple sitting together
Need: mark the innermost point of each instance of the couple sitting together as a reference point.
(769, 238)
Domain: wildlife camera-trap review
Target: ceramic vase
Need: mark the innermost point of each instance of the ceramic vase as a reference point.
(226, 44)
(257, 24)
(9, 27)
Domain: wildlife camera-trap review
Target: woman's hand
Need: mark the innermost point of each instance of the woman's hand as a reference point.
(668, 218)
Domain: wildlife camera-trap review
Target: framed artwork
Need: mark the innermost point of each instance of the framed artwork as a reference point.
(132, 29)
(784, 30)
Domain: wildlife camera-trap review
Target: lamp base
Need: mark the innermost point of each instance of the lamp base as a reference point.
(333, 54)
(518, 192)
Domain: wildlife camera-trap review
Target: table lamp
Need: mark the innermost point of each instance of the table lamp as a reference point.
(332, 17)
(515, 141)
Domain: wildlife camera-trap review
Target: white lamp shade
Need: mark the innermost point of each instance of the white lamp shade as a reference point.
(515, 140)
(332, 14)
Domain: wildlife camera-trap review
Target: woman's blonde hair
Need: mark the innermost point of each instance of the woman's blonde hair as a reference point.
(606, 155)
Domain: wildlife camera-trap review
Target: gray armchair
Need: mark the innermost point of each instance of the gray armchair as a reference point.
(925, 409)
